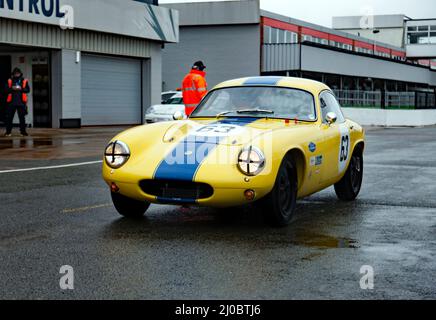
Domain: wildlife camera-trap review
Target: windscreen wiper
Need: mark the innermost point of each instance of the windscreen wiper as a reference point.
(255, 111)
(223, 113)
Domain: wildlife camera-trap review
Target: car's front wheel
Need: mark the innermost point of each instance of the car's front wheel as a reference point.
(348, 187)
(279, 205)
(128, 207)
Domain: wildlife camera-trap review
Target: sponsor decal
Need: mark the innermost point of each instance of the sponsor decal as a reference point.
(312, 147)
(312, 161)
(316, 161)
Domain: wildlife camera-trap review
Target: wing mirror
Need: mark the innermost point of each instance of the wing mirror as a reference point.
(331, 118)
(178, 115)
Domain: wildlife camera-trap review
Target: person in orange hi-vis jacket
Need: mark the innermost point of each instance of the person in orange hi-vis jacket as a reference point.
(194, 87)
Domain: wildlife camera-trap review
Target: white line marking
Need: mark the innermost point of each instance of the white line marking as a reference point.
(52, 167)
(86, 208)
(397, 166)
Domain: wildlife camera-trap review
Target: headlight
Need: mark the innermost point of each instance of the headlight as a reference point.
(251, 161)
(151, 110)
(116, 154)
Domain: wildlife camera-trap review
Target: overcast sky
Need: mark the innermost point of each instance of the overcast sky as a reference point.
(322, 11)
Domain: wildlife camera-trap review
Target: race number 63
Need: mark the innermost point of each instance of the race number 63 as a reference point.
(344, 147)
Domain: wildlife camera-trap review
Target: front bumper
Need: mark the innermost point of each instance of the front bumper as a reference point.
(227, 193)
(221, 197)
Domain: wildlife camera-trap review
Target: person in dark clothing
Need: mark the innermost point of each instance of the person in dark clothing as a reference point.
(17, 89)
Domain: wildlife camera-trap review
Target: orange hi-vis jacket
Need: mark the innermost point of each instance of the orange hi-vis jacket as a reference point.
(194, 88)
(23, 95)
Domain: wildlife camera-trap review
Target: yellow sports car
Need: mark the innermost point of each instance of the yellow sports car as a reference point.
(269, 140)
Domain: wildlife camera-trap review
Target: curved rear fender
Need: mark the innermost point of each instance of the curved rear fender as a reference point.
(360, 146)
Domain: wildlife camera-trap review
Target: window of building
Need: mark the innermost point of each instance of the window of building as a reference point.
(286, 37)
(267, 34)
(280, 36)
(274, 35)
(307, 38)
(418, 38)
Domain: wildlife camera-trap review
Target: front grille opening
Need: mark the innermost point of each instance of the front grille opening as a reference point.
(173, 189)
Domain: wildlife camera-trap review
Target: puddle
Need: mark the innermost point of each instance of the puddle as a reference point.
(324, 241)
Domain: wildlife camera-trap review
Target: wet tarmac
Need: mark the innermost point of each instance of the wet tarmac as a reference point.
(52, 144)
(64, 216)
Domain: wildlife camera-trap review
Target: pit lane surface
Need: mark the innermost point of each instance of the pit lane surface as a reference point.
(64, 216)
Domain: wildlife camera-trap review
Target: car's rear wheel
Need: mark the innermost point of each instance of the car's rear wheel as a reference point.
(279, 205)
(128, 207)
(348, 187)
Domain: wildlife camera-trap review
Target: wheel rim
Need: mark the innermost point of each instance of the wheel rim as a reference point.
(356, 173)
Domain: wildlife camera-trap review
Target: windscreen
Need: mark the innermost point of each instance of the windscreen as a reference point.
(271, 102)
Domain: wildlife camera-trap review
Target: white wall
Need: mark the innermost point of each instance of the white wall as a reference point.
(71, 85)
(391, 118)
(392, 36)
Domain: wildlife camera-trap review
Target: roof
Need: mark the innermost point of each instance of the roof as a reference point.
(276, 81)
(317, 27)
(379, 21)
(217, 13)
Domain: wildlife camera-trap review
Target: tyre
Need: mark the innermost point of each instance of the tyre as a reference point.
(279, 205)
(348, 187)
(128, 207)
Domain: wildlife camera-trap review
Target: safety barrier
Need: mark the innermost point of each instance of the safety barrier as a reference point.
(390, 100)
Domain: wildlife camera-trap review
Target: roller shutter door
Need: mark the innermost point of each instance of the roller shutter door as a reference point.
(111, 90)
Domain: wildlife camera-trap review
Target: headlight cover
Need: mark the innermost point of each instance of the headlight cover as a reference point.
(251, 161)
(116, 154)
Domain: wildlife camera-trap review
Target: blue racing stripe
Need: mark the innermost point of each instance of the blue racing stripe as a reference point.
(183, 162)
(269, 81)
(242, 121)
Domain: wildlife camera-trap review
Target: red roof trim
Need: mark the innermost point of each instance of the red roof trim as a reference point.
(314, 33)
(279, 24)
(341, 39)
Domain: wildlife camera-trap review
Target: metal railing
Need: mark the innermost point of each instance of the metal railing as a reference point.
(400, 100)
(390, 100)
(356, 98)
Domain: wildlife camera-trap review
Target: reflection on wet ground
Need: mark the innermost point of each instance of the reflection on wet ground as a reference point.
(26, 143)
(57, 143)
(238, 224)
(55, 217)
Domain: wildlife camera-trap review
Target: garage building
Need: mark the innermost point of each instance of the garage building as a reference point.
(238, 39)
(88, 62)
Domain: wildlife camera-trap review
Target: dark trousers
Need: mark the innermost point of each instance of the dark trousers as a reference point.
(10, 113)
